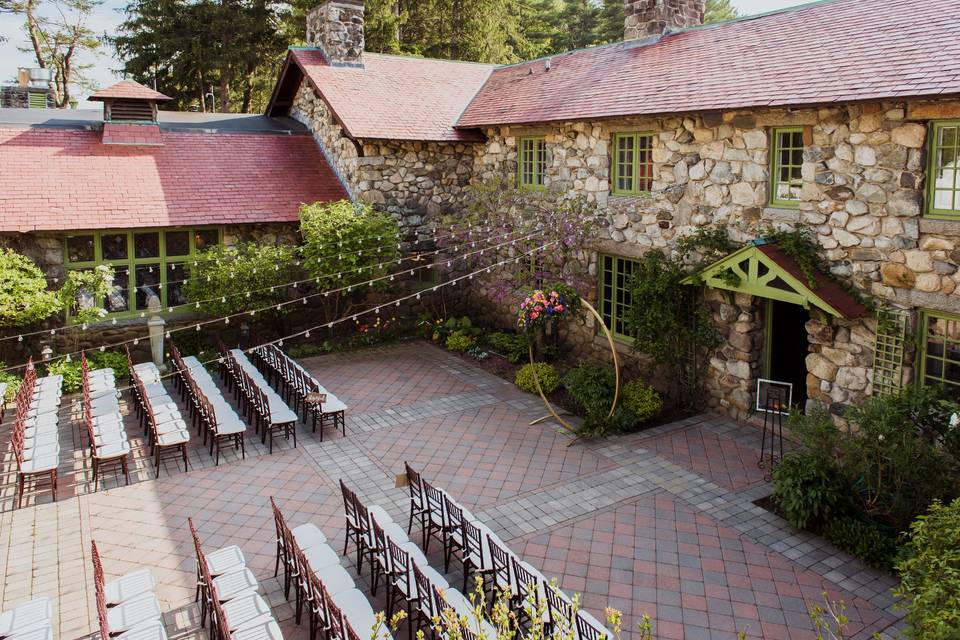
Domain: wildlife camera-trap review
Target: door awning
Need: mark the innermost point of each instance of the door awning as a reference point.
(766, 271)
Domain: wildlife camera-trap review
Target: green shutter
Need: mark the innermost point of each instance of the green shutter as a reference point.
(37, 99)
(888, 351)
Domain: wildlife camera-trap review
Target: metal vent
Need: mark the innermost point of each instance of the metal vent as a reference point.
(131, 111)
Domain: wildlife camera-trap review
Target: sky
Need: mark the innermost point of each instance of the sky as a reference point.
(109, 15)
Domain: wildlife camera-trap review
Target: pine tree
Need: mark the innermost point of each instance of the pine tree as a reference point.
(719, 11)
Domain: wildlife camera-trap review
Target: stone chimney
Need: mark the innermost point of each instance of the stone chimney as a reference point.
(651, 18)
(336, 27)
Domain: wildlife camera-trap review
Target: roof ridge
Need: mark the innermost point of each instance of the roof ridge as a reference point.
(404, 57)
(753, 16)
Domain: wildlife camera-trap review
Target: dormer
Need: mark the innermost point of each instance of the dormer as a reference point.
(130, 114)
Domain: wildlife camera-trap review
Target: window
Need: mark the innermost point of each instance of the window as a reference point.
(146, 264)
(786, 162)
(632, 163)
(944, 170)
(532, 162)
(615, 274)
(940, 347)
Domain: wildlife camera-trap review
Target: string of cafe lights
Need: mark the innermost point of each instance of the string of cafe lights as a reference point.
(373, 309)
(303, 299)
(51, 331)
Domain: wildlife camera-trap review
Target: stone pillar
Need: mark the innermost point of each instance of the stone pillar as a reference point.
(650, 18)
(735, 365)
(156, 330)
(336, 27)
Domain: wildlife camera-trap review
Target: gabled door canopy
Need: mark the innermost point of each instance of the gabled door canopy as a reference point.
(764, 270)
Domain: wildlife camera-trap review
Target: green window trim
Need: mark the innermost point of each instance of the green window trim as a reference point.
(632, 164)
(943, 170)
(141, 258)
(786, 161)
(531, 163)
(939, 349)
(615, 274)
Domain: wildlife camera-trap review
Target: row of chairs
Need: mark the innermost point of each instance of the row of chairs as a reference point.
(127, 608)
(106, 433)
(28, 621)
(337, 609)
(484, 553)
(404, 568)
(229, 596)
(257, 399)
(36, 430)
(299, 387)
(160, 416)
(209, 410)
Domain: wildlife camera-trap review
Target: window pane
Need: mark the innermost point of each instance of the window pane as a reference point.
(788, 160)
(148, 286)
(625, 168)
(175, 275)
(178, 243)
(114, 246)
(645, 163)
(119, 298)
(206, 238)
(80, 249)
(146, 245)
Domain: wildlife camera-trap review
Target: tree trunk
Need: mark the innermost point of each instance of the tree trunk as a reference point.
(224, 92)
(248, 87)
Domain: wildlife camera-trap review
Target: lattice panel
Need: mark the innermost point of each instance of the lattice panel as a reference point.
(888, 351)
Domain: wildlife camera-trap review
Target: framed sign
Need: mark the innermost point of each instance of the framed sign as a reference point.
(774, 396)
(315, 397)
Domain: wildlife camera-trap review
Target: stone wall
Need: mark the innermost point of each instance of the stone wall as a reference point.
(646, 18)
(413, 180)
(336, 26)
(17, 97)
(862, 194)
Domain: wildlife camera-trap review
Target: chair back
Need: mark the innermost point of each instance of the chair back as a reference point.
(380, 543)
(349, 504)
(98, 587)
(201, 558)
(440, 603)
(416, 487)
(454, 519)
(424, 594)
(351, 634)
(399, 560)
(527, 582)
(278, 522)
(315, 590)
(500, 559)
(435, 501)
(586, 630)
(559, 608)
(334, 617)
(473, 543)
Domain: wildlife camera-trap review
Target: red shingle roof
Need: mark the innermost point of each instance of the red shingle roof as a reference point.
(843, 50)
(130, 90)
(395, 97)
(59, 179)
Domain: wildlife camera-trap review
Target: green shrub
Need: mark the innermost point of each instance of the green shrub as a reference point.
(808, 489)
(13, 382)
(599, 424)
(195, 343)
(514, 347)
(642, 400)
(547, 375)
(110, 360)
(24, 298)
(592, 387)
(71, 372)
(930, 574)
(304, 350)
(459, 341)
(862, 540)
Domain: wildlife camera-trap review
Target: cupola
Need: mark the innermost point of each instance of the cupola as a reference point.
(130, 114)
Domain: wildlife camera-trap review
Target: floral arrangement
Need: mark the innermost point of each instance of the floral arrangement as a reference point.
(542, 306)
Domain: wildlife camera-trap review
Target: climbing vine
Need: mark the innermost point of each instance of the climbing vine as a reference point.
(799, 244)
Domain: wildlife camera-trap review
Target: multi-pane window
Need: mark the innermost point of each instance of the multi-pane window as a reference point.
(940, 347)
(615, 275)
(147, 263)
(532, 162)
(786, 163)
(632, 163)
(944, 181)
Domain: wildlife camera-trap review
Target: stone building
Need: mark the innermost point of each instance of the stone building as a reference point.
(747, 125)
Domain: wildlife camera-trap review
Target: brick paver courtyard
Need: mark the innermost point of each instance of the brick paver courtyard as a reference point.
(659, 522)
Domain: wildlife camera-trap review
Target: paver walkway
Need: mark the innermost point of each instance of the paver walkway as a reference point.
(659, 522)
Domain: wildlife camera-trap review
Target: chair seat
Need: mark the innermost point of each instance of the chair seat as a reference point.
(308, 535)
(230, 426)
(321, 556)
(134, 612)
(42, 438)
(226, 560)
(265, 631)
(336, 579)
(129, 586)
(171, 426)
(356, 608)
(113, 450)
(42, 450)
(380, 514)
(26, 616)
(395, 532)
(246, 611)
(281, 413)
(173, 438)
(39, 465)
(234, 584)
(38, 633)
(333, 405)
(149, 631)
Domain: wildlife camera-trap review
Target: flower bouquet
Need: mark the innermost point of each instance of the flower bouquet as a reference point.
(544, 305)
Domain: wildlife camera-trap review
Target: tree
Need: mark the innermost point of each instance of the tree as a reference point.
(580, 20)
(344, 244)
(57, 42)
(24, 297)
(719, 11)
